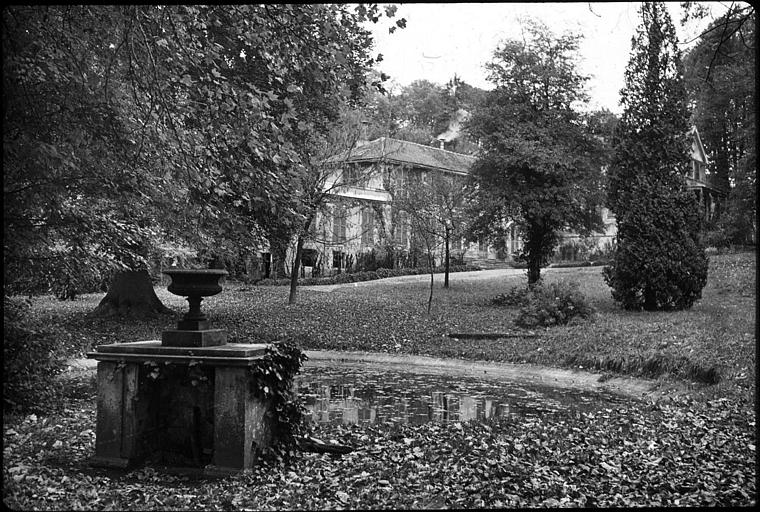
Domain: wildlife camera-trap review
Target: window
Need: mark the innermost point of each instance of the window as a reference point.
(339, 226)
(309, 257)
(400, 227)
(354, 176)
(313, 229)
(368, 226)
(337, 259)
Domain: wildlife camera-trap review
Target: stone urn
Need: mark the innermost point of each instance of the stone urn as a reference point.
(194, 328)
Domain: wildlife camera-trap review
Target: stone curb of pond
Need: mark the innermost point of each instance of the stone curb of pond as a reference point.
(522, 372)
(515, 372)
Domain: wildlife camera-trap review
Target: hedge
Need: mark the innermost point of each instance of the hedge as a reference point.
(354, 277)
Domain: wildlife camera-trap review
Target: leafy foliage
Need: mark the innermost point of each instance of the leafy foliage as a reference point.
(538, 166)
(554, 304)
(274, 375)
(720, 78)
(31, 356)
(125, 124)
(659, 262)
(516, 296)
(421, 111)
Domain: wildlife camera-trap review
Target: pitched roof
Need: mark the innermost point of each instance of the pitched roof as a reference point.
(409, 153)
(697, 148)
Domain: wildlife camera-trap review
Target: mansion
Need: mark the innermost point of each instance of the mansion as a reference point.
(361, 216)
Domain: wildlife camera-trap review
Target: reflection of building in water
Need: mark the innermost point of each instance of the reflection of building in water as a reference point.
(444, 406)
(468, 409)
(346, 404)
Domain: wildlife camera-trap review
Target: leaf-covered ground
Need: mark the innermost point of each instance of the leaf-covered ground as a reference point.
(715, 338)
(696, 448)
(682, 453)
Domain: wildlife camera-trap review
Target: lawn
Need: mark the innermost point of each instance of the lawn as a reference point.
(696, 448)
(712, 342)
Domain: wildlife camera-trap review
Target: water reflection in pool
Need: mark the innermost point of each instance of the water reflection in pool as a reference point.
(362, 393)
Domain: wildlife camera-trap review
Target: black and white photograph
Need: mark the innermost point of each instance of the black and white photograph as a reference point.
(401, 256)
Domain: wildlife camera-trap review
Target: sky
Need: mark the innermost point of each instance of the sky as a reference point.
(441, 39)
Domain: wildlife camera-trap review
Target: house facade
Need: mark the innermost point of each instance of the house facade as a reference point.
(361, 215)
(708, 193)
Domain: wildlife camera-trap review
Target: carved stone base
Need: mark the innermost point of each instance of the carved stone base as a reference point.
(220, 427)
(178, 338)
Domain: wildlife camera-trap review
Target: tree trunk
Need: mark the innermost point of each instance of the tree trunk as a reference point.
(446, 263)
(131, 294)
(294, 273)
(650, 300)
(430, 264)
(534, 269)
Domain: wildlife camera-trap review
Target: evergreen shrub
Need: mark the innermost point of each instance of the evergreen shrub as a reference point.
(660, 263)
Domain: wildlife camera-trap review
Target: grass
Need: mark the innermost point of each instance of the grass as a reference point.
(712, 343)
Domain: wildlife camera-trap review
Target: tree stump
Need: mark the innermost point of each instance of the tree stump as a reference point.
(131, 294)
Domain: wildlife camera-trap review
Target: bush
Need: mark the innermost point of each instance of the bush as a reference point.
(31, 356)
(660, 263)
(553, 304)
(716, 238)
(516, 296)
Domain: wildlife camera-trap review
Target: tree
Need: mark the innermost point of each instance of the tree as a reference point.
(538, 165)
(602, 123)
(435, 206)
(74, 201)
(420, 111)
(659, 262)
(720, 81)
(126, 123)
(323, 155)
(736, 19)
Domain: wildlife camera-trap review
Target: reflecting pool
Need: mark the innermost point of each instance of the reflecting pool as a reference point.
(351, 392)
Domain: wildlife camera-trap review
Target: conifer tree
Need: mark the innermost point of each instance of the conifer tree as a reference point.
(659, 263)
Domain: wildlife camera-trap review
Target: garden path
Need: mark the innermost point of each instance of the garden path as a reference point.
(454, 277)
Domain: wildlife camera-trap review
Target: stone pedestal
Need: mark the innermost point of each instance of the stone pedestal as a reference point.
(188, 338)
(218, 423)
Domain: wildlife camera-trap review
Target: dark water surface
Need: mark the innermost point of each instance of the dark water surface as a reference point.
(352, 392)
